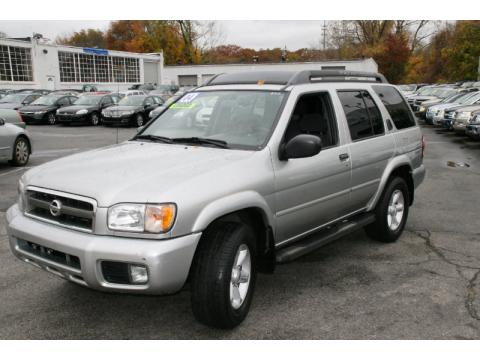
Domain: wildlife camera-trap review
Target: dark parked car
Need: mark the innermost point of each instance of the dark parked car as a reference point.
(131, 110)
(43, 110)
(73, 92)
(87, 109)
(17, 100)
(35, 91)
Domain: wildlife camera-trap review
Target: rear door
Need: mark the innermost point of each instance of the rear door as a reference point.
(5, 142)
(371, 145)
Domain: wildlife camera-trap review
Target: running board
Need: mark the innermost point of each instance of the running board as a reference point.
(321, 238)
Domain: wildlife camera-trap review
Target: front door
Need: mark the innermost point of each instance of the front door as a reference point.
(5, 140)
(311, 192)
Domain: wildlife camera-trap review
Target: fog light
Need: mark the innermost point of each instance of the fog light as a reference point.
(138, 274)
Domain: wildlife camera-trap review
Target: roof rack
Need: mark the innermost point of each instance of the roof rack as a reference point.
(288, 78)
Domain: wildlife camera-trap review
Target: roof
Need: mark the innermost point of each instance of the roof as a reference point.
(288, 78)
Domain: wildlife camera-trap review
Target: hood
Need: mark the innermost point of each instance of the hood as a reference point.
(124, 108)
(431, 102)
(12, 106)
(73, 109)
(423, 98)
(137, 171)
(467, 108)
(33, 108)
(443, 106)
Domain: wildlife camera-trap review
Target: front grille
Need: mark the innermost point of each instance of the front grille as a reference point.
(73, 213)
(449, 115)
(55, 256)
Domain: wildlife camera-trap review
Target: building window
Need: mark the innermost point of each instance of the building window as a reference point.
(78, 67)
(67, 66)
(132, 69)
(15, 64)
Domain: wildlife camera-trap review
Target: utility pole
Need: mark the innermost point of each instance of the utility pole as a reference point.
(324, 30)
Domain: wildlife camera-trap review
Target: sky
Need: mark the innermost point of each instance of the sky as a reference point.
(256, 34)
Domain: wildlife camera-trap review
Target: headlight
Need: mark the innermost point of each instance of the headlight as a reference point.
(58, 111)
(150, 218)
(475, 120)
(81, 112)
(129, 112)
(464, 115)
(441, 113)
(40, 112)
(422, 108)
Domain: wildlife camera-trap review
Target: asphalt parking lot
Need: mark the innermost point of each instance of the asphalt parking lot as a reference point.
(425, 286)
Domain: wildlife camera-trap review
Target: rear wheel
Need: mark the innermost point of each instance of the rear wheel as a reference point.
(21, 152)
(223, 275)
(391, 212)
(51, 118)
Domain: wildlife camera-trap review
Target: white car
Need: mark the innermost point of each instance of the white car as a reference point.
(132, 93)
(15, 145)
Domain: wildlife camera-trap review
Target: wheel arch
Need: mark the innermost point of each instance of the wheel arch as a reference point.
(250, 208)
(399, 166)
(23, 136)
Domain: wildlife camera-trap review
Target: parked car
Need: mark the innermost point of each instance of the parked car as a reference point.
(17, 100)
(155, 112)
(435, 114)
(165, 91)
(15, 145)
(43, 110)
(408, 89)
(72, 92)
(421, 103)
(463, 116)
(288, 163)
(35, 91)
(473, 128)
(131, 93)
(86, 109)
(12, 117)
(131, 110)
(450, 113)
(89, 88)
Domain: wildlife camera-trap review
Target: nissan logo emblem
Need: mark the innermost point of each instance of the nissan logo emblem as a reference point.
(56, 208)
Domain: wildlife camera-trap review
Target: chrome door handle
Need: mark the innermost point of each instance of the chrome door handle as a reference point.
(344, 157)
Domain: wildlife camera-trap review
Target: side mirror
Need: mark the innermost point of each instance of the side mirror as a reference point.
(301, 146)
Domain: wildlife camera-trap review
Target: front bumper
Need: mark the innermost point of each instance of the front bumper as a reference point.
(418, 175)
(167, 261)
(32, 117)
(459, 126)
(62, 118)
(124, 119)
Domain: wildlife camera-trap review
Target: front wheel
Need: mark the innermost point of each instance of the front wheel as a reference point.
(21, 152)
(223, 275)
(391, 212)
(51, 119)
(139, 120)
(94, 119)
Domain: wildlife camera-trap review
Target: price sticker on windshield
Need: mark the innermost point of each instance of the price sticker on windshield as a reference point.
(186, 102)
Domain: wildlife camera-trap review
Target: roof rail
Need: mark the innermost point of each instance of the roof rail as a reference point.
(312, 76)
(288, 78)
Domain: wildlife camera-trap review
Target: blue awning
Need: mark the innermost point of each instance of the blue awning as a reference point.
(95, 51)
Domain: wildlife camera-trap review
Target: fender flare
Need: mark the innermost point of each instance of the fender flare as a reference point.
(230, 204)
(393, 164)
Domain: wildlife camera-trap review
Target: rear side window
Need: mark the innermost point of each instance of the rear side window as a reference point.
(396, 106)
(363, 117)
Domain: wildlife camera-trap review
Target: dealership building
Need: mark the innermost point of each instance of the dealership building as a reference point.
(33, 63)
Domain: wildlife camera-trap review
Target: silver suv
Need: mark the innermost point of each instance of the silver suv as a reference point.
(285, 163)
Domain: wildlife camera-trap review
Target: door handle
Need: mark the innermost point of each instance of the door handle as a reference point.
(344, 157)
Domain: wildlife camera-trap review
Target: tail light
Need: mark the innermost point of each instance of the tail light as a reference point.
(424, 145)
(20, 116)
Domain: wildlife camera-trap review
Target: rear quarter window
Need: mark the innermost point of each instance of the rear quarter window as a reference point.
(395, 105)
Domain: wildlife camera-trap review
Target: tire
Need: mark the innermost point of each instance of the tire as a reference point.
(222, 290)
(391, 212)
(21, 152)
(51, 118)
(95, 119)
(138, 120)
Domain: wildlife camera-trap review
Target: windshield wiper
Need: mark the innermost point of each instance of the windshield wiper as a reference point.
(196, 140)
(163, 139)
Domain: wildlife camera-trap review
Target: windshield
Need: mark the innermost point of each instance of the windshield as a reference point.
(13, 98)
(45, 100)
(88, 100)
(426, 91)
(407, 87)
(443, 92)
(473, 99)
(131, 101)
(243, 119)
